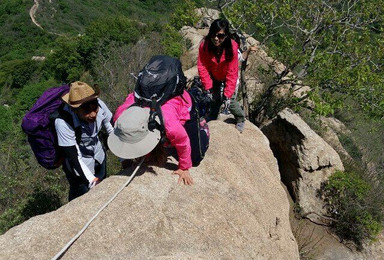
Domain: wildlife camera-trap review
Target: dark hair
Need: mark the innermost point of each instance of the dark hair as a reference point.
(217, 25)
(89, 106)
(158, 156)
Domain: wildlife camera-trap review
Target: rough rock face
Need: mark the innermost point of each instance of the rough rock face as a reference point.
(237, 209)
(332, 127)
(194, 36)
(305, 159)
(207, 16)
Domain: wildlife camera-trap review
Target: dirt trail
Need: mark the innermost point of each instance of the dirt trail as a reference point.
(32, 13)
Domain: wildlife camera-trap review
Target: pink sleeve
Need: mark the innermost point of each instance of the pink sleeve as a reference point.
(232, 73)
(127, 103)
(176, 133)
(202, 63)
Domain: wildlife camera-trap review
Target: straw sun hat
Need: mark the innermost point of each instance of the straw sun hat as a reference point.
(131, 137)
(80, 93)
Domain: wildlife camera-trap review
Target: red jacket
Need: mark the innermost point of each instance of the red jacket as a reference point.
(209, 68)
(175, 113)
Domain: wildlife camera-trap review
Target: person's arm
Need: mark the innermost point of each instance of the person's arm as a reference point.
(73, 155)
(179, 139)
(184, 177)
(67, 142)
(107, 117)
(202, 64)
(232, 73)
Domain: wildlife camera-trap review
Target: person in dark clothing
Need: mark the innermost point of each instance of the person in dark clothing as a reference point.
(85, 159)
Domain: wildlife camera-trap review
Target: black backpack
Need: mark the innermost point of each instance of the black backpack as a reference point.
(198, 136)
(161, 79)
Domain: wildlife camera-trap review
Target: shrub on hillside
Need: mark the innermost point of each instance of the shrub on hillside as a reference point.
(172, 42)
(65, 62)
(39, 201)
(184, 15)
(347, 199)
(17, 73)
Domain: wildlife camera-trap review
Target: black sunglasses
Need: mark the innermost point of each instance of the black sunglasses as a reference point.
(219, 35)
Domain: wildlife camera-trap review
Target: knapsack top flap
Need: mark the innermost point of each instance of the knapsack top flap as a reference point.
(38, 116)
(159, 70)
(162, 77)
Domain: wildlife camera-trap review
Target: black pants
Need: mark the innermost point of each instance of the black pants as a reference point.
(217, 101)
(77, 185)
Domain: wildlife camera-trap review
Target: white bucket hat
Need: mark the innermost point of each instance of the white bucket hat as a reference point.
(131, 137)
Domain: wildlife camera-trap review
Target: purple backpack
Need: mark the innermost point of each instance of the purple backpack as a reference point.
(39, 125)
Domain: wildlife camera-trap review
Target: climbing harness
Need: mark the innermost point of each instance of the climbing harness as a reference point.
(69, 244)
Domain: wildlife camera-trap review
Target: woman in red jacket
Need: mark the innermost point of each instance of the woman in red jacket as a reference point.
(218, 69)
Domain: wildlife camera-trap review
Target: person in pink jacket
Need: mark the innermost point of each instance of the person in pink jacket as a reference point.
(176, 112)
(218, 69)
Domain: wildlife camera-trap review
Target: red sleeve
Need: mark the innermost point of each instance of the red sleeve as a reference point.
(176, 134)
(232, 73)
(127, 103)
(202, 66)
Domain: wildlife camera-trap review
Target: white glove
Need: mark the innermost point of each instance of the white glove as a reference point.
(227, 103)
(93, 183)
(209, 95)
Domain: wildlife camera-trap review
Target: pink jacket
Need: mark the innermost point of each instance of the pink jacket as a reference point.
(208, 66)
(175, 114)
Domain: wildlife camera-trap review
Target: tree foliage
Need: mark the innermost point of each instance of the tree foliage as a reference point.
(336, 46)
(184, 15)
(347, 200)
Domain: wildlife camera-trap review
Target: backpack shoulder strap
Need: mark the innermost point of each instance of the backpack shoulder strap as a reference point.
(67, 117)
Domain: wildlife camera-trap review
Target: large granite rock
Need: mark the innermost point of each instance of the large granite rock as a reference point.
(237, 209)
(305, 160)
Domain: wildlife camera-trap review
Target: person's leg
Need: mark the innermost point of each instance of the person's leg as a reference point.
(214, 110)
(101, 169)
(217, 100)
(77, 187)
(77, 191)
(236, 111)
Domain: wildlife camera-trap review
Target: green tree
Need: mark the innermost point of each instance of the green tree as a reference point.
(115, 30)
(184, 15)
(172, 42)
(65, 62)
(336, 46)
(346, 196)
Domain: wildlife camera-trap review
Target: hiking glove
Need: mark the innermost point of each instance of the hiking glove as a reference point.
(209, 96)
(227, 103)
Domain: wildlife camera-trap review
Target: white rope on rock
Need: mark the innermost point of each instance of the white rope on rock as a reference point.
(69, 244)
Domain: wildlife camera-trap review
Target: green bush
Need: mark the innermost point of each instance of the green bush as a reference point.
(5, 118)
(114, 29)
(39, 201)
(27, 96)
(17, 73)
(10, 218)
(65, 62)
(350, 146)
(184, 15)
(172, 42)
(347, 198)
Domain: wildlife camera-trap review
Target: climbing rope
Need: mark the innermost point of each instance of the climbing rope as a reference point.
(69, 244)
